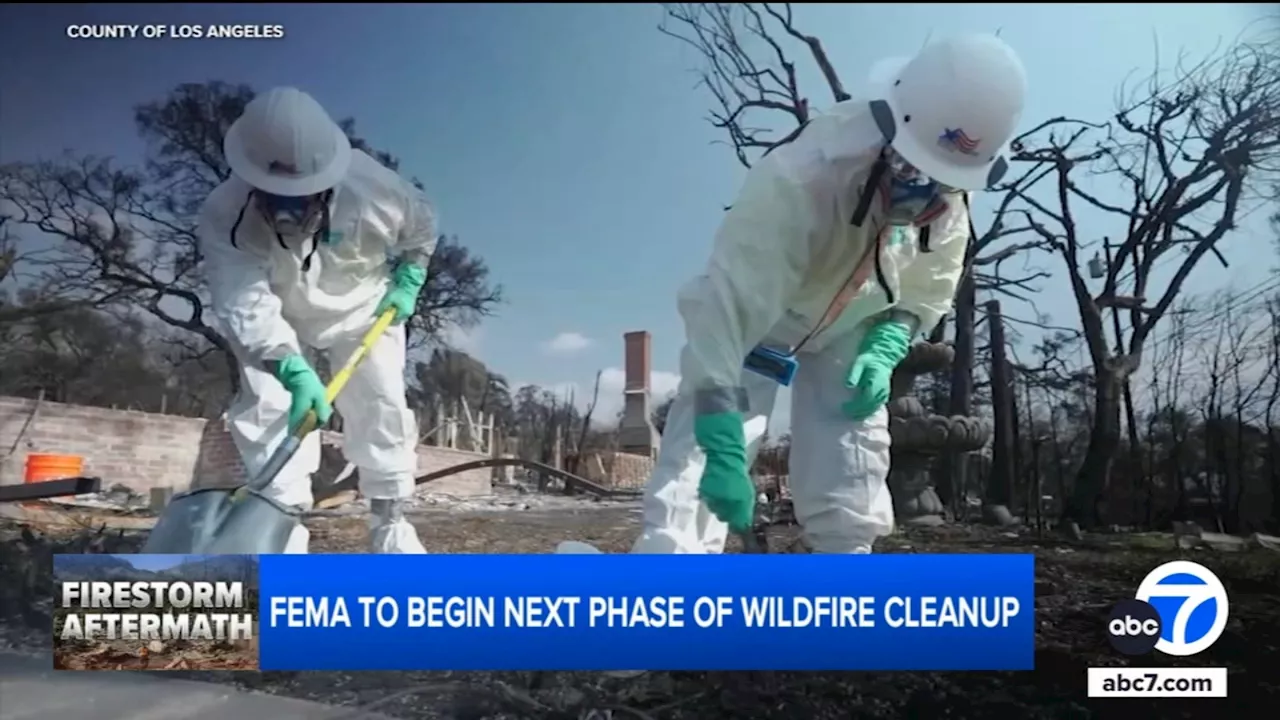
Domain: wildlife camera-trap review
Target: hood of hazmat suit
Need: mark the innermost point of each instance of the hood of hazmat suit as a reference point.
(277, 289)
(808, 258)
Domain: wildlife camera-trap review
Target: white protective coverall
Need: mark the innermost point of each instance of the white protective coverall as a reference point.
(273, 296)
(787, 265)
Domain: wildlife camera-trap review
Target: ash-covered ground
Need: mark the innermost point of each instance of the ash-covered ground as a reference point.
(1077, 583)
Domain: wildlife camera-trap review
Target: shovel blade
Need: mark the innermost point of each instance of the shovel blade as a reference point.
(213, 521)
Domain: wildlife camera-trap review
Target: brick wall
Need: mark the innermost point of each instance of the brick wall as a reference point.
(617, 470)
(628, 471)
(145, 450)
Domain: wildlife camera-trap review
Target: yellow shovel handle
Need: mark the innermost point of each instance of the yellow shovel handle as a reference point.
(340, 378)
(282, 454)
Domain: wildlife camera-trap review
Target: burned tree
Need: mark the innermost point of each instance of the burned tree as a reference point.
(742, 85)
(28, 291)
(1191, 151)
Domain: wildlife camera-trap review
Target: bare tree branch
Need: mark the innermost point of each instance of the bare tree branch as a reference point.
(1188, 149)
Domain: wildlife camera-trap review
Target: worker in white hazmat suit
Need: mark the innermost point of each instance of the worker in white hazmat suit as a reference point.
(305, 245)
(842, 246)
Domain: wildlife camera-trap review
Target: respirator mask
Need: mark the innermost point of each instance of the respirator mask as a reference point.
(910, 197)
(907, 197)
(292, 216)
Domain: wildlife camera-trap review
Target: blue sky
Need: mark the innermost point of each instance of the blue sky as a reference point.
(565, 144)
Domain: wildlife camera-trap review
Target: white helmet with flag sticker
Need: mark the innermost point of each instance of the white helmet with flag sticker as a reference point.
(951, 110)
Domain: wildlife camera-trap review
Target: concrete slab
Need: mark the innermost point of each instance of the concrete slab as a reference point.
(30, 690)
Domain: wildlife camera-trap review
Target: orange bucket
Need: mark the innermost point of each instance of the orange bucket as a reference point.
(43, 466)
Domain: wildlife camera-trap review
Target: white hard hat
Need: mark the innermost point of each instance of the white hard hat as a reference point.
(951, 110)
(284, 143)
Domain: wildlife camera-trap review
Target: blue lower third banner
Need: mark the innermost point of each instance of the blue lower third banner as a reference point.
(647, 612)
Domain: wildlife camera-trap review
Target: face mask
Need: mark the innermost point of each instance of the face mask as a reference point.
(909, 194)
(291, 216)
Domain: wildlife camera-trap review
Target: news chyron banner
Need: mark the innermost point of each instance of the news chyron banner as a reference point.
(155, 612)
(552, 612)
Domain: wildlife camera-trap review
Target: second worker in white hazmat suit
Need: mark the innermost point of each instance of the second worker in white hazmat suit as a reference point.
(842, 246)
(304, 246)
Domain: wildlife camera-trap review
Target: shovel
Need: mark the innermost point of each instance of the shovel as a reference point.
(243, 521)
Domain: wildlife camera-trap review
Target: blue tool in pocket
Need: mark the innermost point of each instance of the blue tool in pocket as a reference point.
(777, 366)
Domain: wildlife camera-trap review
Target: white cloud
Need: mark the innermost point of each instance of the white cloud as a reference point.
(612, 382)
(566, 343)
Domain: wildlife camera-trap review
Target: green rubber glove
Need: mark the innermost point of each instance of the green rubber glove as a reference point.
(306, 392)
(406, 284)
(726, 487)
(883, 347)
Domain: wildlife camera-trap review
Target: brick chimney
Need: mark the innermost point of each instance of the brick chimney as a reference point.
(636, 434)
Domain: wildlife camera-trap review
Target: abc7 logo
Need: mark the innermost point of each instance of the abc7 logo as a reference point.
(1180, 609)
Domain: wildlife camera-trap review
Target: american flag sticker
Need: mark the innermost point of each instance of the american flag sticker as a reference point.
(956, 140)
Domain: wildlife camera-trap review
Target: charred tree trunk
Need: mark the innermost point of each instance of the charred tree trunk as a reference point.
(1181, 508)
(1130, 416)
(951, 481)
(1089, 498)
(1000, 484)
(1273, 473)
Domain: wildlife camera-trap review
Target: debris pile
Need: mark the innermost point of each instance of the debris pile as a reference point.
(116, 499)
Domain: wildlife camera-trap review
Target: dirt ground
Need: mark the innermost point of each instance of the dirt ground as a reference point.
(1077, 583)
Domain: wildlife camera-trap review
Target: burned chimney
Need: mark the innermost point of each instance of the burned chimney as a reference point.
(636, 434)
